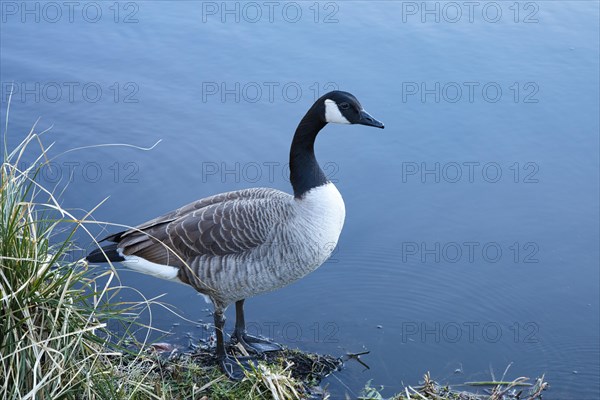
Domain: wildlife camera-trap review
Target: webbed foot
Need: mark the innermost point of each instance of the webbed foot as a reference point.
(234, 368)
(256, 345)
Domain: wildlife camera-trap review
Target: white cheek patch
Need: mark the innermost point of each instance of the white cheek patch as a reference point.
(333, 113)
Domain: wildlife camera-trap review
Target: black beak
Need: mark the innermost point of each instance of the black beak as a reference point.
(366, 119)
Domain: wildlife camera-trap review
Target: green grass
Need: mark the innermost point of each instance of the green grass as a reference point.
(194, 375)
(51, 312)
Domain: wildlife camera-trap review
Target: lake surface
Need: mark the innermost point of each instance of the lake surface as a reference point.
(471, 239)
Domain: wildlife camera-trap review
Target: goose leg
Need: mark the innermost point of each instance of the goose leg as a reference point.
(232, 367)
(251, 343)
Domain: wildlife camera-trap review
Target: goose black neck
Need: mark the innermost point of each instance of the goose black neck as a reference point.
(305, 172)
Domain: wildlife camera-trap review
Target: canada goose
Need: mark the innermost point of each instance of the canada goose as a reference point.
(238, 244)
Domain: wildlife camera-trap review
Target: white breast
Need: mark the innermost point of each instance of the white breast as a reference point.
(323, 211)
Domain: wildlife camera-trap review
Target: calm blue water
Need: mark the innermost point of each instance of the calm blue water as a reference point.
(471, 238)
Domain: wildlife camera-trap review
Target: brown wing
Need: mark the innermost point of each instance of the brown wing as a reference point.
(227, 223)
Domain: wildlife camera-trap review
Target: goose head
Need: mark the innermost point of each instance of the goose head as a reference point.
(343, 108)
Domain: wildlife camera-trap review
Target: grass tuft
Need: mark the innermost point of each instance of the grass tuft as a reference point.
(52, 334)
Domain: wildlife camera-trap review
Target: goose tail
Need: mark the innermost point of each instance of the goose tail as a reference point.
(105, 254)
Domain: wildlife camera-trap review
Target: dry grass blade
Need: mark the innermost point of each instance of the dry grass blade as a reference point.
(431, 390)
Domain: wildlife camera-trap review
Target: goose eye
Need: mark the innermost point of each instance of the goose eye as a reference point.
(344, 106)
